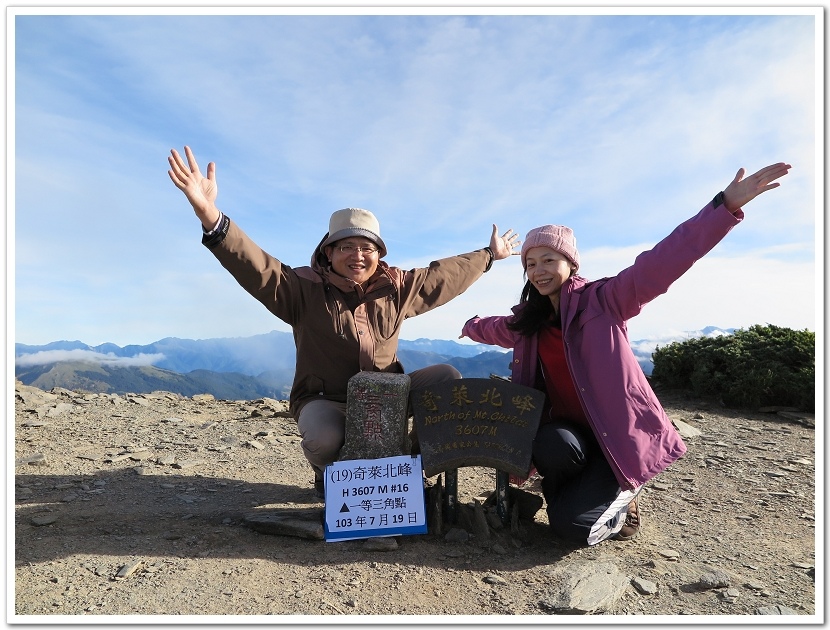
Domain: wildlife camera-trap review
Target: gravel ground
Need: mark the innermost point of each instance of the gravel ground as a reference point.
(137, 505)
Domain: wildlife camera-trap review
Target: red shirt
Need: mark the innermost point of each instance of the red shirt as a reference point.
(564, 401)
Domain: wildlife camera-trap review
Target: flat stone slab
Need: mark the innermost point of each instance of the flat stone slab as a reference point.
(691, 572)
(38, 459)
(286, 523)
(685, 429)
(807, 419)
(41, 520)
(777, 609)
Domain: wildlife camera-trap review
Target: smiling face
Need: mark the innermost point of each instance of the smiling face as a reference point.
(356, 263)
(547, 270)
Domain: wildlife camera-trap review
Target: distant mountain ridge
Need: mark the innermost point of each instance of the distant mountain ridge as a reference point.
(241, 368)
(247, 355)
(237, 368)
(98, 378)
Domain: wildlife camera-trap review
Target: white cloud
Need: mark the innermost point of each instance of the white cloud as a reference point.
(89, 356)
(441, 125)
(734, 292)
(645, 347)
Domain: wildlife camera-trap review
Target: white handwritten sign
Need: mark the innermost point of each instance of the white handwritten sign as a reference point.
(367, 498)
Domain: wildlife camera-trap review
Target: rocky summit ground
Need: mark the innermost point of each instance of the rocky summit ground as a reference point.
(145, 505)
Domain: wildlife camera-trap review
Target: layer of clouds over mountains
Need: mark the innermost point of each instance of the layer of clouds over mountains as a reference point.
(274, 351)
(44, 357)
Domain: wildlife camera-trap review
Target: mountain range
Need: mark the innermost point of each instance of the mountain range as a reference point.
(240, 368)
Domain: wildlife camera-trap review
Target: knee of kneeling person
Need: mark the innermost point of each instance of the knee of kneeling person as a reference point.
(565, 527)
(444, 372)
(433, 375)
(323, 446)
(559, 461)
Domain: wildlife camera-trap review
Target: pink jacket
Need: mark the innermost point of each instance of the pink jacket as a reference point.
(635, 434)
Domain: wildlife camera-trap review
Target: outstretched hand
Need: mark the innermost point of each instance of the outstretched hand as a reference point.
(741, 191)
(506, 245)
(200, 191)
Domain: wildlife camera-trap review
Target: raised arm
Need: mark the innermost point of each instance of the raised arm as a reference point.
(655, 270)
(490, 330)
(200, 191)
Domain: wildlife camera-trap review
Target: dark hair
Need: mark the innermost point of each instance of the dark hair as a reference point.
(536, 313)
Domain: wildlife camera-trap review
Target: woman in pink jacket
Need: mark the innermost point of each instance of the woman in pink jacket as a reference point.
(604, 433)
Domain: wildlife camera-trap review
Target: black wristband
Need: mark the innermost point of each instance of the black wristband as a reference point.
(492, 258)
(211, 240)
(717, 200)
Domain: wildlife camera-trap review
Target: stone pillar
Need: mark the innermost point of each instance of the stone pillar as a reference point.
(376, 418)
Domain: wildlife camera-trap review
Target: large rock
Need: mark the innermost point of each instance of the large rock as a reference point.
(585, 588)
(685, 430)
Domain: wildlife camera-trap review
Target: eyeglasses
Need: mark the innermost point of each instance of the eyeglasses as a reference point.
(351, 249)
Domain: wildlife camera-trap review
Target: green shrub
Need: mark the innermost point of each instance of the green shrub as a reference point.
(752, 368)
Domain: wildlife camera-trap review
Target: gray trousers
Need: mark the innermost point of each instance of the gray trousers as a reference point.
(322, 423)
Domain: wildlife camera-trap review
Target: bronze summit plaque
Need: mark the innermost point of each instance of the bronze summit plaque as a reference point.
(476, 422)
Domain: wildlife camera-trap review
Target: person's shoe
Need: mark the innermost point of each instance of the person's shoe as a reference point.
(319, 490)
(632, 523)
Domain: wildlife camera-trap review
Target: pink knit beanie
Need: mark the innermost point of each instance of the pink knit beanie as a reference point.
(558, 237)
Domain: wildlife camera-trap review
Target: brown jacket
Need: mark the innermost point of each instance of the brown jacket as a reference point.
(340, 329)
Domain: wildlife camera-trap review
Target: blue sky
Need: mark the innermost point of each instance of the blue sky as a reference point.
(620, 126)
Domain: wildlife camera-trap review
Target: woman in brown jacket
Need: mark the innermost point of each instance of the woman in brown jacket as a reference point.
(346, 308)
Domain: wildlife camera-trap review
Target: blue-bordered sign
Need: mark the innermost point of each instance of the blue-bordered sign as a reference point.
(367, 498)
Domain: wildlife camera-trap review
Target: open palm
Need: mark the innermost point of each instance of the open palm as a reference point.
(504, 246)
(200, 191)
(741, 191)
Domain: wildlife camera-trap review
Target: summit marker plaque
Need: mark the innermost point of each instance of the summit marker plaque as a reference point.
(476, 422)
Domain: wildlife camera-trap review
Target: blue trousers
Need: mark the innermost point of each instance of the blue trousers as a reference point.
(577, 482)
